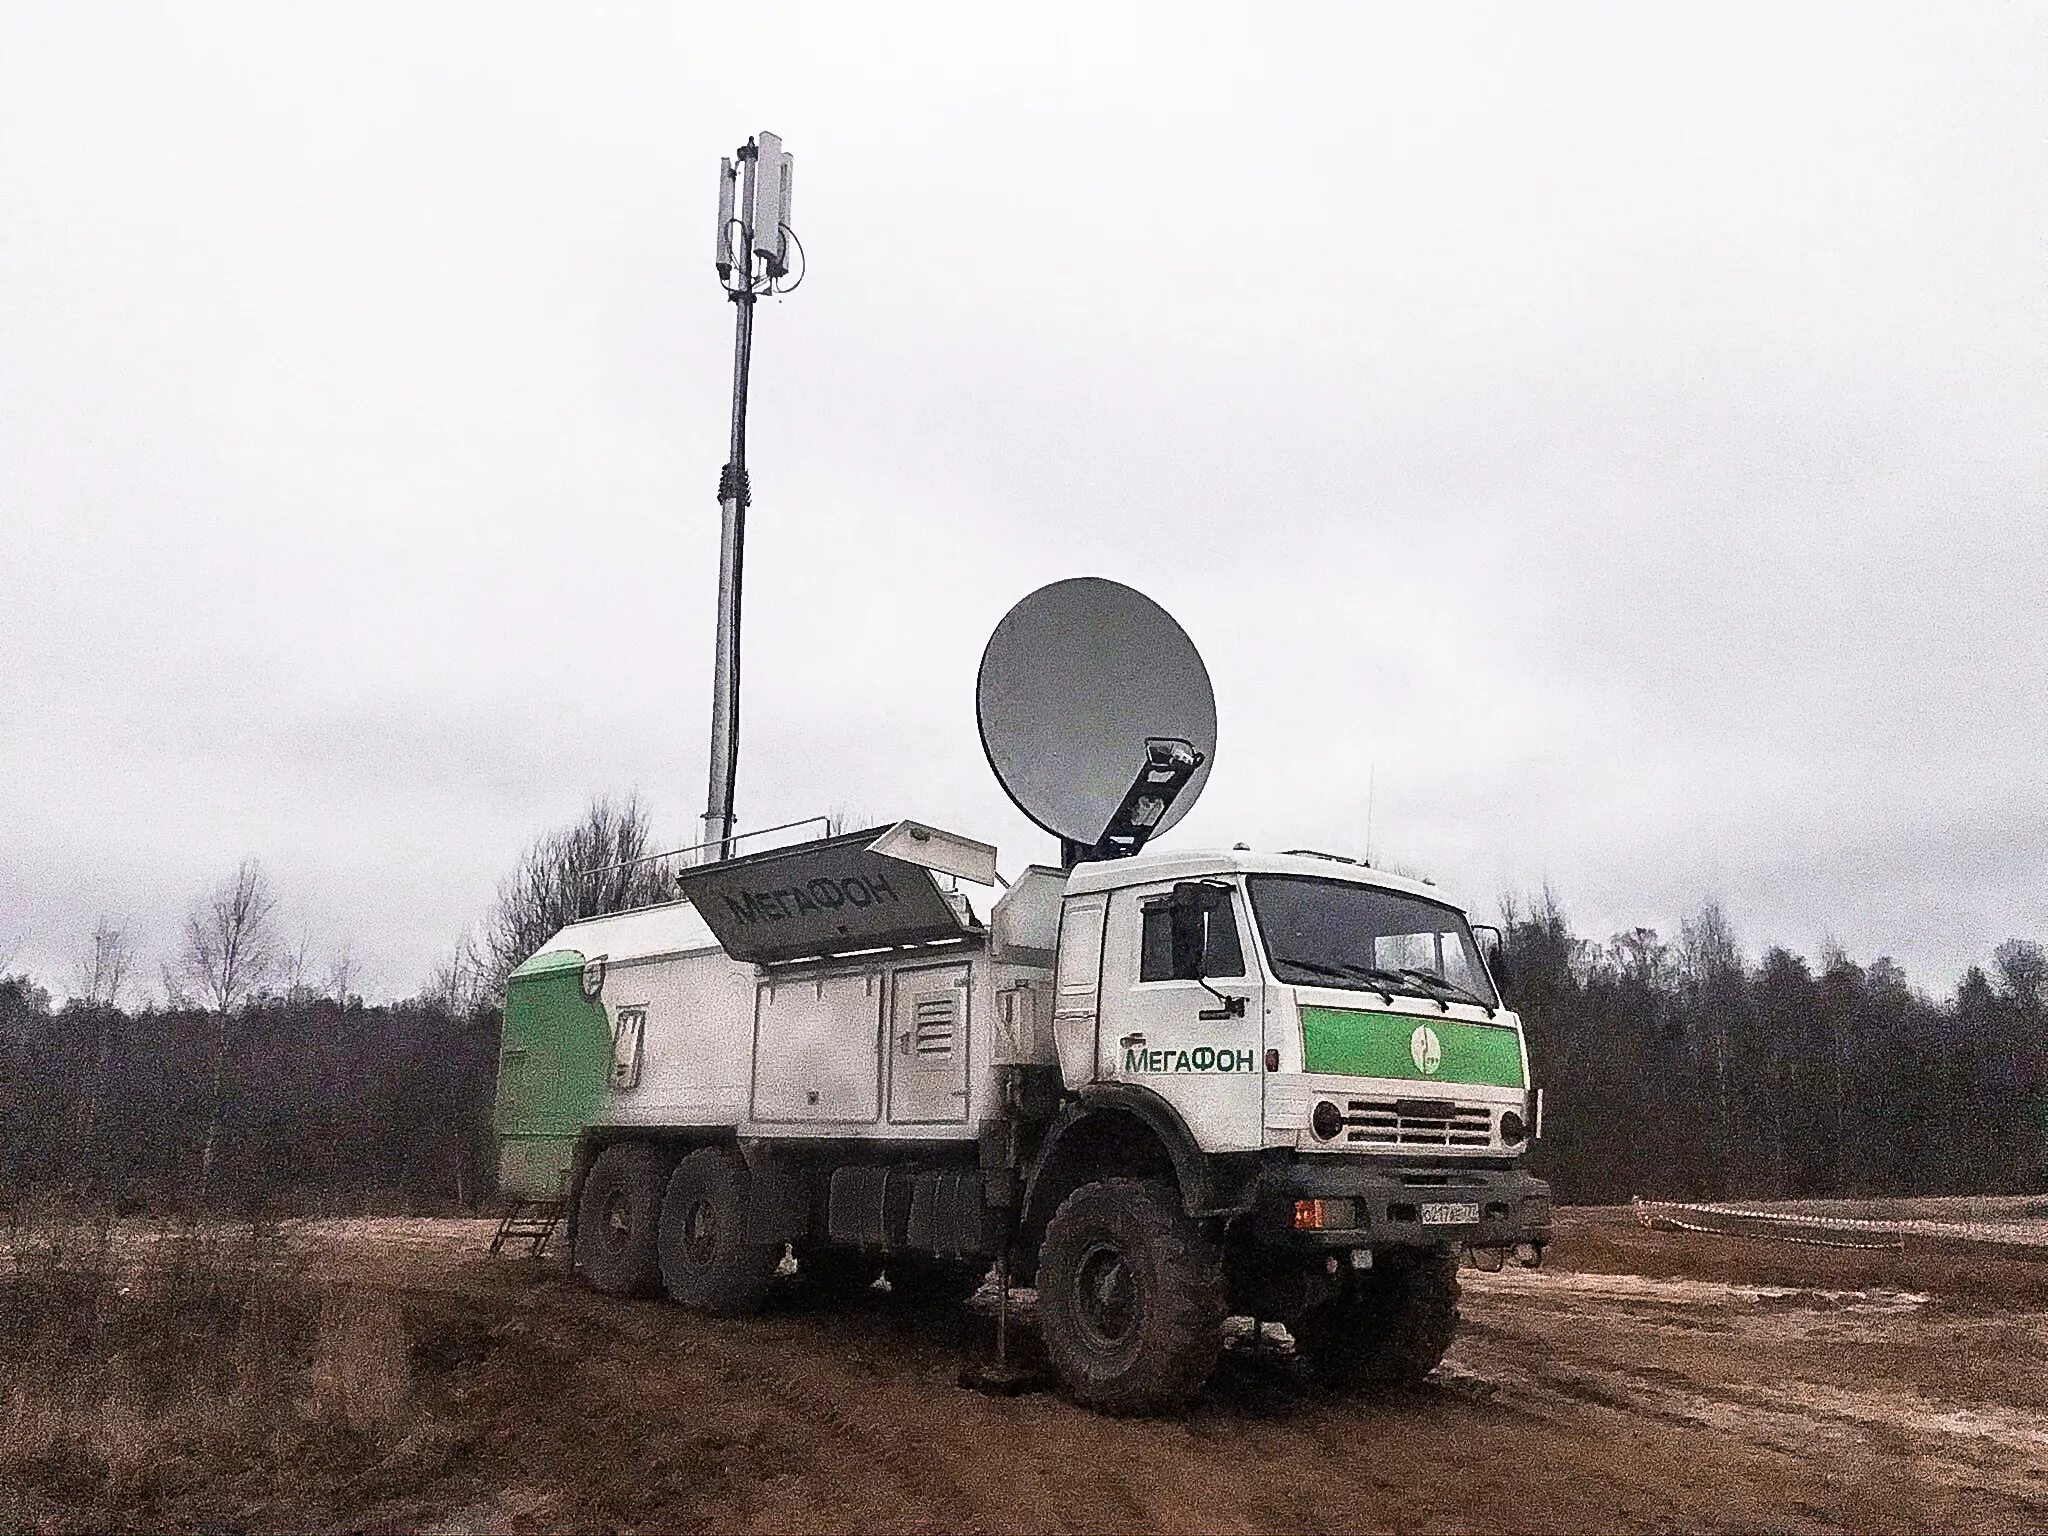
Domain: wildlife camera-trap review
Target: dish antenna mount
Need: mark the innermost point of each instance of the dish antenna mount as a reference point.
(1097, 716)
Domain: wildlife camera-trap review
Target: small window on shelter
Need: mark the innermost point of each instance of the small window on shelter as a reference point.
(628, 1031)
(1158, 958)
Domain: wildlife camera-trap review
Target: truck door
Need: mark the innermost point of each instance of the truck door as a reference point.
(928, 1045)
(1163, 1028)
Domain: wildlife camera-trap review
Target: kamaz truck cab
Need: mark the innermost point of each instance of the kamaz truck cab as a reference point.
(1334, 1021)
(1319, 1051)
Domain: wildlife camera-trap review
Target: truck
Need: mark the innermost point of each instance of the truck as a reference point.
(1165, 1088)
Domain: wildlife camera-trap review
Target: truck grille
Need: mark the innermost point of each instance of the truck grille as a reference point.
(1418, 1123)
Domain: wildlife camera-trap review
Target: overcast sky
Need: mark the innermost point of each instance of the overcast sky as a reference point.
(1617, 433)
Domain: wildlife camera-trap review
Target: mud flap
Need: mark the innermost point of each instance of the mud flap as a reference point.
(778, 1205)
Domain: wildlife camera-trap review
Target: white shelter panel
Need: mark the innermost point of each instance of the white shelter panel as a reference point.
(818, 1049)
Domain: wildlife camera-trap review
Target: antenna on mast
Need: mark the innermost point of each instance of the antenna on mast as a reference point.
(754, 242)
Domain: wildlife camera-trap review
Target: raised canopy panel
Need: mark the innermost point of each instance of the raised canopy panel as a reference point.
(823, 898)
(947, 852)
(1024, 928)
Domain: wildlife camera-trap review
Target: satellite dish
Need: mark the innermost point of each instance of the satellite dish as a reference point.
(1096, 714)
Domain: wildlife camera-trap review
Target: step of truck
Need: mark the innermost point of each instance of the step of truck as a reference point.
(532, 1222)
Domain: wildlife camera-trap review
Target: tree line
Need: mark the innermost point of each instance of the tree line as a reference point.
(1681, 1069)
(1674, 1068)
(255, 1078)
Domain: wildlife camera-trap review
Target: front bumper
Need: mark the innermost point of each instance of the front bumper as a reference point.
(1378, 1203)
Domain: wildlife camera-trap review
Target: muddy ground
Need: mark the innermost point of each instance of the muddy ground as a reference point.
(1642, 1382)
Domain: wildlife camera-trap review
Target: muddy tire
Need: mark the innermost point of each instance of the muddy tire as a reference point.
(837, 1274)
(927, 1280)
(1130, 1297)
(1389, 1326)
(617, 1216)
(708, 1260)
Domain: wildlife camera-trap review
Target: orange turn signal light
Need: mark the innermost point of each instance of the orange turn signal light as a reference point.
(1308, 1215)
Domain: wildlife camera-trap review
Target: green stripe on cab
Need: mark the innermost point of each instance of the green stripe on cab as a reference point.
(1353, 1042)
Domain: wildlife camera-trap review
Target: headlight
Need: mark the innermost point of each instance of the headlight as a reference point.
(1512, 1130)
(1327, 1121)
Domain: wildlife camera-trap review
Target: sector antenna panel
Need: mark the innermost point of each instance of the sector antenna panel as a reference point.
(1079, 686)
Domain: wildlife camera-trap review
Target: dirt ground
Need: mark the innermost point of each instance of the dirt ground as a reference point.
(1643, 1381)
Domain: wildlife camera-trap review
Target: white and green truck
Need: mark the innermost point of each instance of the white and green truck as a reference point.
(1166, 1089)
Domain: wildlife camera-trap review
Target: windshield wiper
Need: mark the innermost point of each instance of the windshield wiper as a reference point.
(1377, 977)
(1439, 988)
(1412, 982)
(1371, 977)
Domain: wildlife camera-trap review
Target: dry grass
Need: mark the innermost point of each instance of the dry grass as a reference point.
(362, 1364)
(141, 1367)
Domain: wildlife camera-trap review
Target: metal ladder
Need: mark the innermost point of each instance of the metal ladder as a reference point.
(529, 1221)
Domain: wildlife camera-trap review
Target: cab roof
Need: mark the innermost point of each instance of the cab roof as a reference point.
(1144, 868)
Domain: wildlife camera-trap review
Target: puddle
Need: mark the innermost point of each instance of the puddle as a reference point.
(1564, 1284)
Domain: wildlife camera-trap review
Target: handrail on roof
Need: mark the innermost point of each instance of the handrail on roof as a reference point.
(737, 837)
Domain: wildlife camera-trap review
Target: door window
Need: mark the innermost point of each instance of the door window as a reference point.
(1158, 959)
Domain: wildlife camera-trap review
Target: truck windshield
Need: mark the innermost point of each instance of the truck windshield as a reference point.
(1329, 933)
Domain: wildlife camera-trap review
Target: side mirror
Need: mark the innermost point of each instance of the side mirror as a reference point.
(1497, 955)
(1188, 911)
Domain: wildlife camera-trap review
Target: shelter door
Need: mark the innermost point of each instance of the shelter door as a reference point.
(928, 1045)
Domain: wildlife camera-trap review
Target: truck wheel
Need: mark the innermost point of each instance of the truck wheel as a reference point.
(926, 1279)
(1388, 1327)
(1130, 1297)
(837, 1273)
(708, 1261)
(616, 1219)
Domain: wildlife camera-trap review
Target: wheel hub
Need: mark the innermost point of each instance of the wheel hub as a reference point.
(618, 1216)
(1106, 1295)
(700, 1230)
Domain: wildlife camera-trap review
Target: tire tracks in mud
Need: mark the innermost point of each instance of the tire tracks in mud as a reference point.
(855, 1443)
(854, 1399)
(1961, 1446)
(1595, 1402)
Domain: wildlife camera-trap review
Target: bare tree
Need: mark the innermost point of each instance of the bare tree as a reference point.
(460, 982)
(295, 970)
(590, 867)
(845, 817)
(343, 976)
(102, 974)
(1710, 971)
(230, 950)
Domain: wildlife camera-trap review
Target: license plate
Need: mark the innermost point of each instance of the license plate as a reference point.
(1454, 1214)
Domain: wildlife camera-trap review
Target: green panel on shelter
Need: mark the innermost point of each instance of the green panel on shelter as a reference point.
(552, 1070)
